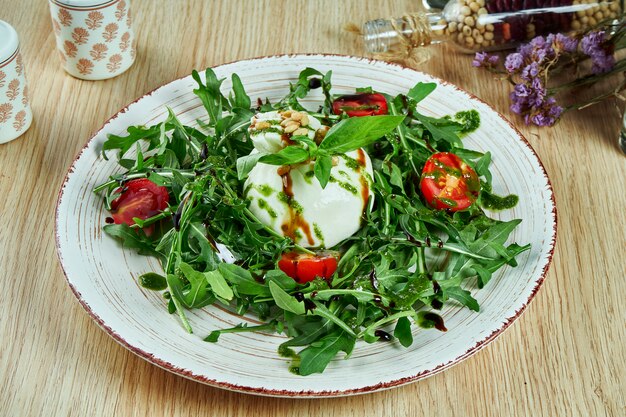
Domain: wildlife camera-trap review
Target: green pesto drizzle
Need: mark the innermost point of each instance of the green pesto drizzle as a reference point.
(351, 163)
(345, 185)
(264, 206)
(290, 202)
(318, 232)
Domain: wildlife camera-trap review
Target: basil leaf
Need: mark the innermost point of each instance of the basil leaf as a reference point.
(246, 163)
(356, 132)
(322, 168)
(286, 301)
(286, 156)
(421, 90)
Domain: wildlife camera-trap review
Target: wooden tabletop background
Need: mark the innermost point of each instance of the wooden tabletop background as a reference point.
(564, 357)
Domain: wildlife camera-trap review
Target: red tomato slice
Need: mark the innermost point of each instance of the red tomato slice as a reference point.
(140, 198)
(363, 104)
(448, 183)
(304, 267)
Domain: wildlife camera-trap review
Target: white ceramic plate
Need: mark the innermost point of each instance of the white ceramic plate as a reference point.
(103, 275)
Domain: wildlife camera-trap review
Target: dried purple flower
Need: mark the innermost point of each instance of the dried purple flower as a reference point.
(595, 46)
(483, 59)
(513, 62)
(565, 43)
(530, 71)
(548, 114)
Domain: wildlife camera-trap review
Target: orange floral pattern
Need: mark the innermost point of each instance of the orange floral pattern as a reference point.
(84, 66)
(65, 17)
(94, 20)
(25, 95)
(2, 78)
(70, 49)
(94, 42)
(80, 35)
(115, 62)
(6, 110)
(121, 10)
(20, 120)
(13, 90)
(110, 32)
(125, 42)
(98, 51)
(19, 64)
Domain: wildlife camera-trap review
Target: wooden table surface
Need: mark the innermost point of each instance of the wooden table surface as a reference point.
(564, 357)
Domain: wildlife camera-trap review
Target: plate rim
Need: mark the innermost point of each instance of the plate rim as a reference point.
(151, 358)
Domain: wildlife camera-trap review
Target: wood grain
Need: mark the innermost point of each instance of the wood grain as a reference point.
(565, 356)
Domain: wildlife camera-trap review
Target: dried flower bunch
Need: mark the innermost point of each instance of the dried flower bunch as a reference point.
(538, 70)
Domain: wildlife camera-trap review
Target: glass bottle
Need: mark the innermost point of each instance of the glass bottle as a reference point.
(487, 25)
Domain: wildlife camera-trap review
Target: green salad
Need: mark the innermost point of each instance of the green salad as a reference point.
(357, 220)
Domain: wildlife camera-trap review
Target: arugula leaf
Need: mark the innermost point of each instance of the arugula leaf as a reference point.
(464, 297)
(421, 91)
(218, 285)
(284, 300)
(441, 129)
(197, 296)
(281, 279)
(242, 280)
(241, 99)
(315, 358)
(356, 132)
(210, 95)
(493, 238)
(135, 134)
(132, 239)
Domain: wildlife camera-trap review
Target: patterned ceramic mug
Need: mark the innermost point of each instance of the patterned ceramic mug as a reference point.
(15, 114)
(94, 37)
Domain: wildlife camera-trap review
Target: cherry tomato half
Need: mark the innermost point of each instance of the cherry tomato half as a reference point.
(304, 267)
(448, 183)
(140, 198)
(362, 104)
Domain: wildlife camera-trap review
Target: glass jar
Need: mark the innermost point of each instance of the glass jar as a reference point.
(487, 25)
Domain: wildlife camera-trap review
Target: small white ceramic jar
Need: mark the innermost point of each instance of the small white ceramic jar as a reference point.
(15, 113)
(95, 38)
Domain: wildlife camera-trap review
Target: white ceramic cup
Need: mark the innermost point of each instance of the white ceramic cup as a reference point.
(95, 38)
(15, 113)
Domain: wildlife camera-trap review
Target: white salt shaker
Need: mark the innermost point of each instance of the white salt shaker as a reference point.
(15, 113)
(95, 38)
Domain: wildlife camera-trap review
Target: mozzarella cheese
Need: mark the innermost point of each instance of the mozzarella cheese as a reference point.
(295, 205)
